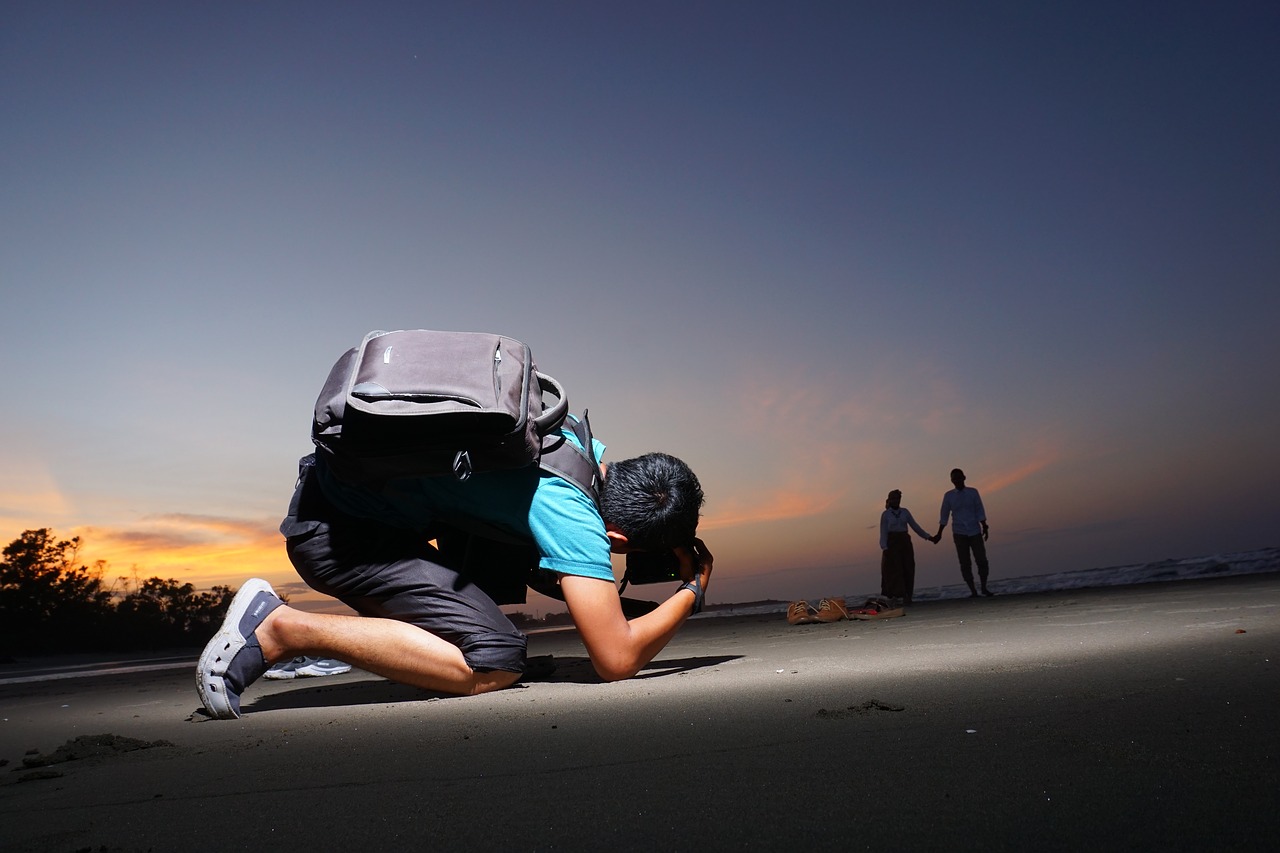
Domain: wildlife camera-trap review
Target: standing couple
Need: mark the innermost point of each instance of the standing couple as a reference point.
(898, 561)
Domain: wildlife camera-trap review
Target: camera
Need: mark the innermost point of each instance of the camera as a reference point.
(652, 567)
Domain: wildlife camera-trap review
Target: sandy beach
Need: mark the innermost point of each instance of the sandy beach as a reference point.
(1127, 718)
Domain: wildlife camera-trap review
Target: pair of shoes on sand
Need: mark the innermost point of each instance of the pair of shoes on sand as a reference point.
(828, 610)
(835, 609)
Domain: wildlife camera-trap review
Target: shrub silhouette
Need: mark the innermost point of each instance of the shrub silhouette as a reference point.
(48, 603)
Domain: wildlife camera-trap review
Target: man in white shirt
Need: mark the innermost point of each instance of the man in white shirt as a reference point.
(964, 506)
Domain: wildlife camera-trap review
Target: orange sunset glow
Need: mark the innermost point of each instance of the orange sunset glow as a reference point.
(898, 244)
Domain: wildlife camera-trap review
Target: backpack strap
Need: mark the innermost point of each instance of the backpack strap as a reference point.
(563, 459)
(578, 466)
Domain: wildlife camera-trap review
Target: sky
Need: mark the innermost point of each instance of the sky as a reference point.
(817, 250)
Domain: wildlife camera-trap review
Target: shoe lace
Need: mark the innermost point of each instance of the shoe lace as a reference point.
(832, 604)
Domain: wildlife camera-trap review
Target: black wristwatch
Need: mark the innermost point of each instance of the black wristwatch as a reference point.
(694, 586)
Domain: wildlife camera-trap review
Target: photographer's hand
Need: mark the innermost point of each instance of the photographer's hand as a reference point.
(695, 571)
(619, 647)
(695, 561)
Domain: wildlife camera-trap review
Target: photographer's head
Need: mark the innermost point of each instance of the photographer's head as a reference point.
(652, 501)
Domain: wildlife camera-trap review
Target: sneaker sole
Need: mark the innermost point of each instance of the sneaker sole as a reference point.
(309, 672)
(211, 671)
(280, 676)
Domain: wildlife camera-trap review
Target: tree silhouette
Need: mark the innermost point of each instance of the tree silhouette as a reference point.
(167, 612)
(47, 603)
(50, 604)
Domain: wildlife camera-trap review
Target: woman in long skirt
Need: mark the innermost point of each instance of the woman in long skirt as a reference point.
(898, 557)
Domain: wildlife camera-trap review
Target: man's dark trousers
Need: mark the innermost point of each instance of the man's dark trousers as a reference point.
(965, 544)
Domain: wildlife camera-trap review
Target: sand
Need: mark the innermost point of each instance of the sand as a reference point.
(1128, 718)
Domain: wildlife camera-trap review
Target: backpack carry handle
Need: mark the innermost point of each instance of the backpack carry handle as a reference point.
(549, 421)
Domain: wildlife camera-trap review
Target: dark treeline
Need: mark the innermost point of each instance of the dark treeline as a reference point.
(48, 604)
(527, 621)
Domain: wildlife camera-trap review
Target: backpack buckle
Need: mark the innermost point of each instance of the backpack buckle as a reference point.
(462, 465)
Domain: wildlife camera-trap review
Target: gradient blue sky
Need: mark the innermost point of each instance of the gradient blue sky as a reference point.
(820, 250)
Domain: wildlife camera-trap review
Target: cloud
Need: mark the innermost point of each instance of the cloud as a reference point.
(202, 549)
(176, 532)
(809, 441)
(1043, 456)
(785, 504)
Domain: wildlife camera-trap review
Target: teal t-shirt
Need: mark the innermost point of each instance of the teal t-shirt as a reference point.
(562, 522)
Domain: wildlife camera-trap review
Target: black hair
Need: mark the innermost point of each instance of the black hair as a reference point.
(654, 499)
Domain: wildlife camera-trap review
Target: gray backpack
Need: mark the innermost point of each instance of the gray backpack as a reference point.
(422, 403)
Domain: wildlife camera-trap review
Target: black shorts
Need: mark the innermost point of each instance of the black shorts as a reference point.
(377, 569)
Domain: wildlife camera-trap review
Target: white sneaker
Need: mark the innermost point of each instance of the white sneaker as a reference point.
(317, 667)
(285, 669)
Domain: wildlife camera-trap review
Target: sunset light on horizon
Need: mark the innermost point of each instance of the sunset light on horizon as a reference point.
(817, 250)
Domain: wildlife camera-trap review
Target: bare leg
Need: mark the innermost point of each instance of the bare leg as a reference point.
(387, 647)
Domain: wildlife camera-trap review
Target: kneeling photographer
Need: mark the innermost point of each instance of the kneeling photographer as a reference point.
(425, 617)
